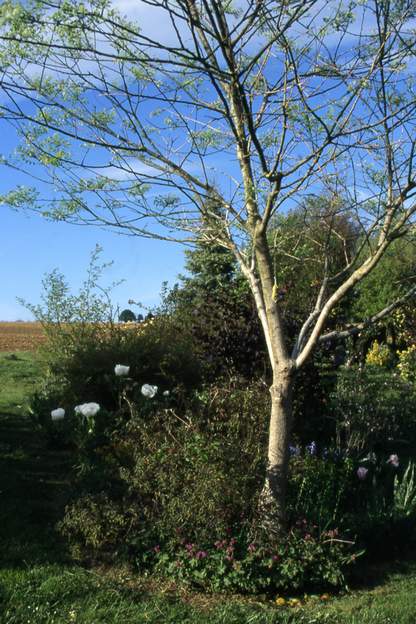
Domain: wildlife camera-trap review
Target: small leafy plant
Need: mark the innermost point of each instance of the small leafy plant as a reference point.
(405, 492)
(301, 560)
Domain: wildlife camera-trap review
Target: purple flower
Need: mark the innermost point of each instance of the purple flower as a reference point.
(294, 451)
(201, 554)
(189, 547)
(251, 548)
(156, 548)
(393, 460)
(362, 473)
(311, 448)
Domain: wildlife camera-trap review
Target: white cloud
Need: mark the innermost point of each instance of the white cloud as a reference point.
(153, 21)
(131, 168)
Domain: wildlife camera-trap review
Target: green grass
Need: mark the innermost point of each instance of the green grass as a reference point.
(19, 373)
(40, 585)
(57, 594)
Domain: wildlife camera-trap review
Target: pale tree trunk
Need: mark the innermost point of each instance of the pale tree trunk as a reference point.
(272, 503)
(271, 517)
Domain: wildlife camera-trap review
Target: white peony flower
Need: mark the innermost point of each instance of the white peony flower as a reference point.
(77, 409)
(166, 393)
(121, 370)
(58, 414)
(87, 409)
(148, 391)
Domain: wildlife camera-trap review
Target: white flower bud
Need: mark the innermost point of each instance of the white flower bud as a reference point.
(58, 414)
(148, 391)
(87, 409)
(121, 370)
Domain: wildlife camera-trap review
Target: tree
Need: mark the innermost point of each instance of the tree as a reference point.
(127, 316)
(214, 302)
(255, 104)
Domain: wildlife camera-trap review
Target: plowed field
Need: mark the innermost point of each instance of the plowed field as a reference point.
(20, 336)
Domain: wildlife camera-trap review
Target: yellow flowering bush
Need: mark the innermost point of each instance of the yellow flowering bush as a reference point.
(378, 355)
(407, 363)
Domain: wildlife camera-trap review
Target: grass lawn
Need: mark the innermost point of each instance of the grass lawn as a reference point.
(40, 585)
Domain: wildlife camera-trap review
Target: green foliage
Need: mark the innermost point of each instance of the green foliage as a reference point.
(320, 489)
(372, 408)
(405, 492)
(127, 316)
(176, 474)
(297, 562)
(214, 303)
(83, 347)
(391, 278)
(60, 310)
(95, 525)
(316, 234)
(32, 588)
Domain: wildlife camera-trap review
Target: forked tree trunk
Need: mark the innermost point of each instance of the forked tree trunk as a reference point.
(271, 517)
(272, 504)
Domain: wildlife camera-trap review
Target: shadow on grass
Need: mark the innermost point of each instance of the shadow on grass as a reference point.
(33, 492)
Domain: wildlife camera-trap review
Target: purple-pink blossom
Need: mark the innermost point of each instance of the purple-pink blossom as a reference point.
(362, 473)
(393, 460)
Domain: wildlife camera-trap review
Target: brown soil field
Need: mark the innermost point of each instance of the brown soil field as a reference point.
(20, 336)
(28, 336)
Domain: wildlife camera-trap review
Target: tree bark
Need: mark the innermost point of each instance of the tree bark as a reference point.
(271, 521)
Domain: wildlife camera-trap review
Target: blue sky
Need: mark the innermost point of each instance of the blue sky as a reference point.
(31, 246)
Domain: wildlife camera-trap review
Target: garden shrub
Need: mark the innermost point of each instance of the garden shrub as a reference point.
(155, 352)
(84, 345)
(190, 474)
(320, 487)
(96, 526)
(407, 364)
(300, 561)
(193, 478)
(373, 410)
